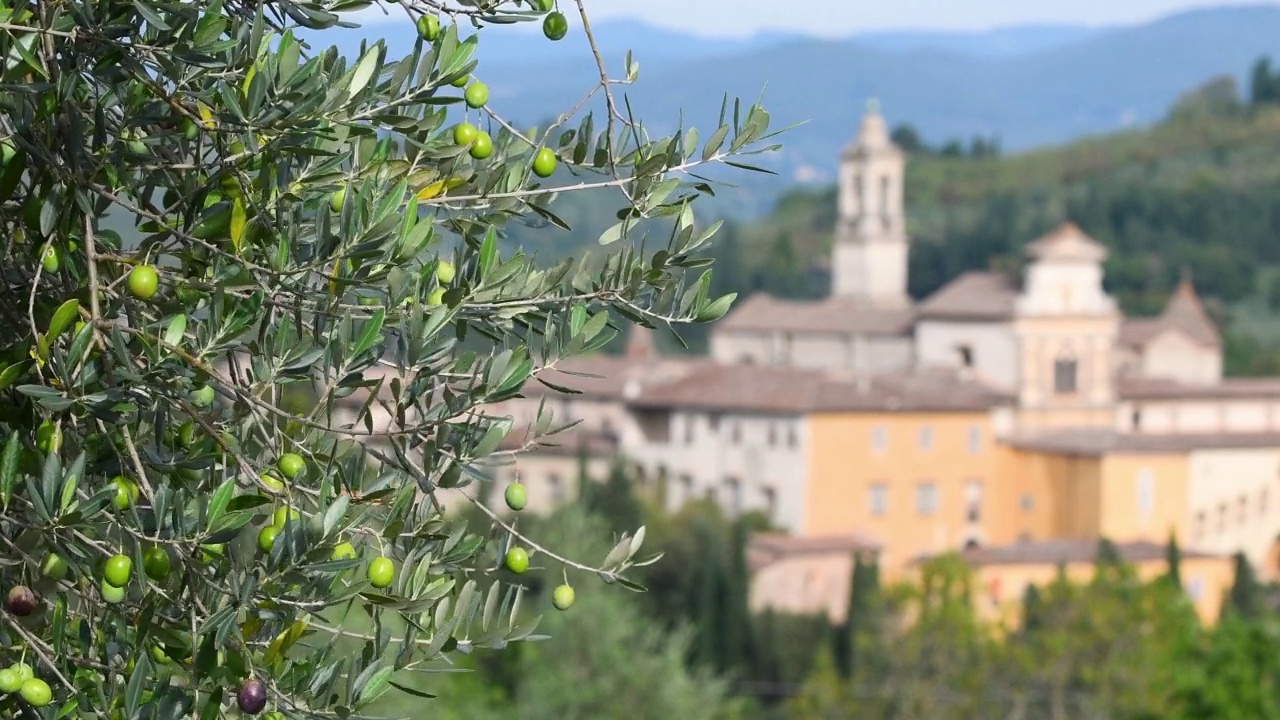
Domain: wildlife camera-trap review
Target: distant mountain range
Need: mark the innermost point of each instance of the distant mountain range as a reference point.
(1030, 86)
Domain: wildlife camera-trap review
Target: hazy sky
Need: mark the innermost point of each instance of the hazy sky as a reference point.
(843, 17)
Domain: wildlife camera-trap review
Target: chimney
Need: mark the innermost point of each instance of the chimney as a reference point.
(641, 345)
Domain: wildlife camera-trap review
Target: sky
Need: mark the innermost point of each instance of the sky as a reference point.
(840, 18)
(845, 17)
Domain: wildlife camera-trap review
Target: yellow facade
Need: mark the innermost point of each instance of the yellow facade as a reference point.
(853, 454)
(998, 589)
(1090, 496)
(869, 473)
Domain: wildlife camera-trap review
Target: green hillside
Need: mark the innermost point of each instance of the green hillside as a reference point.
(1200, 191)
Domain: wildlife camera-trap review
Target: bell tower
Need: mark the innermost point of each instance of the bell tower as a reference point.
(869, 258)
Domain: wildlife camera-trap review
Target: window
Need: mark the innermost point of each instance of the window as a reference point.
(965, 354)
(686, 487)
(879, 439)
(793, 436)
(770, 501)
(879, 499)
(973, 501)
(1242, 510)
(1136, 419)
(1146, 493)
(1027, 503)
(735, 433)
(927, 498)
(1222, 518)
(1263, 499)
(555, 487)
(1064, 376)
(1202, 525)
(773, 435)
(688, 429)
(885, 188)
(783, 354)
(1024, 537)
(975, 440)
(926, 438)
(734, 489)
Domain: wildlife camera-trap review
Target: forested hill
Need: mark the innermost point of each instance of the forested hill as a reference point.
(1200, 191)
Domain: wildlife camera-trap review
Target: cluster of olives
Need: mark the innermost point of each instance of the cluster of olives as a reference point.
(478, 142)
(21, 678)
(517, 558)
(555, 26)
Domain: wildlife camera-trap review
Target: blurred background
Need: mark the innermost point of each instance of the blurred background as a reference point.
(994, 429)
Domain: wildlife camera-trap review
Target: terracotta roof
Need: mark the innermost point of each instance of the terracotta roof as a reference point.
(784, 390)
(767, 548)
(1137, 332)
(1067, 242)
(837, 315)
(925, 390)
(1054, 552)
(1184, 312)
(1095, 443)
(609, 377)
(737, 387)
(1139, 388)
(972, 296)
(565, 442)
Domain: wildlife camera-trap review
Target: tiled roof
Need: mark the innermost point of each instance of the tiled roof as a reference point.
(1054, 552)
(972, 296)
(1184, 312)
(926, 390)
(1139, 388)
(1067, 242)
(1093, 443)
(737, 387)
(609, 377)
(772, 389)
(767, 548)
(565, 442)
(779, 543)
(837, 315)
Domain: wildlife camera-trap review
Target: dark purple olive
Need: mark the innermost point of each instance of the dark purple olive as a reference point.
(20, 601)
(252, 696)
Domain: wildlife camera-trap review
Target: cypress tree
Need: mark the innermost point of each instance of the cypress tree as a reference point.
(1245, 598)
(736, 627)
(1108, 554)
(862, 622)
(1032, 610)
(616, 501)
(710, 644)
(584, 472)
(844, 641)
(1173, 556)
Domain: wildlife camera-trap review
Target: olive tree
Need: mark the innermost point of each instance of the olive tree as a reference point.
(204, 211)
